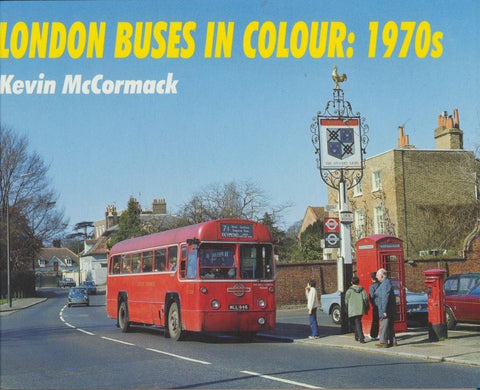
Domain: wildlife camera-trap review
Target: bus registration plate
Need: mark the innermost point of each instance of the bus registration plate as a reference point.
(238, 307)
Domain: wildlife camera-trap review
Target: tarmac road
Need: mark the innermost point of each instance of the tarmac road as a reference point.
(462, 345)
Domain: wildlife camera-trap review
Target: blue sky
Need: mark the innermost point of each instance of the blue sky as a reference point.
(233, 118)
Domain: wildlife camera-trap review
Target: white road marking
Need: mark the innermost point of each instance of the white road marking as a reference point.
(86, 332)
(272, 378)
(178, 356)
(116, 341)
(269, 377)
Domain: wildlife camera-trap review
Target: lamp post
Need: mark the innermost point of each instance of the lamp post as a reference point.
(9, 293)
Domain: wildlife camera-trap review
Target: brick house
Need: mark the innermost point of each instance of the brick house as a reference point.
(54, 263)
(93, 261)
(312, 215)
(56, 260)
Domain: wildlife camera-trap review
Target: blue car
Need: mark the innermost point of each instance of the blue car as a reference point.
(78, 296)
(90, 286)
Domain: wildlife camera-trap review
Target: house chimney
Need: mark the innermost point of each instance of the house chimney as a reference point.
(111, 217)
(403, 139)
(159, 206)
(448, 134)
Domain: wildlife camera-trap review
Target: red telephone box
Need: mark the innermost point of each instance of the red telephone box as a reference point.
(383, 251)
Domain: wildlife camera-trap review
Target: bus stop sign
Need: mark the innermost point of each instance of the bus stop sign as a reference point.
(332, 232)
(332, 225)
(332, 240)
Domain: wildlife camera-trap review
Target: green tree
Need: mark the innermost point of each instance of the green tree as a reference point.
(129, 224)
(310, 242)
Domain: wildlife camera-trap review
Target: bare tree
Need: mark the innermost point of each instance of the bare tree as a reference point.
(29, 200)
(231, 200)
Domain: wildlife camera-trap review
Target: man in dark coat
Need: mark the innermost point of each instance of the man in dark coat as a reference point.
(375, 317)
(385, 301)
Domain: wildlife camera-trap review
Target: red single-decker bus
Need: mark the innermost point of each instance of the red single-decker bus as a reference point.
(216, 276)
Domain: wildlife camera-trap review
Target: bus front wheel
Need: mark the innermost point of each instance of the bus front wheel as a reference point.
(123, 321)
(174, 322)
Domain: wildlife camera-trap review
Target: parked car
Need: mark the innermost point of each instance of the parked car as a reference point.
(78, 296)
(417, 308)
(90, 286)
(459, 284)
(463, 307)
(67, 282)
(330, 304)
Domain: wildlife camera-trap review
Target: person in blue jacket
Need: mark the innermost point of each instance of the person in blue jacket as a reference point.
(385, 301)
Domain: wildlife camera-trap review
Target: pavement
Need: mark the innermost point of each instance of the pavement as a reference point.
(19, 304)
(462, 345)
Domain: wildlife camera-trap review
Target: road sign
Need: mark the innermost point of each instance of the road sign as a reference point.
(331, 225)
(331, 207)
(346, 217)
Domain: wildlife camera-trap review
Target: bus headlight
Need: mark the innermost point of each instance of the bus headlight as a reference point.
(203, 290)
(261, 303)
(261, 321)
(215, 304)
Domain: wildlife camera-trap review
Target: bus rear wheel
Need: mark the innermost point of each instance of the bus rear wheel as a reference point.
(123, 321)
(174, 322)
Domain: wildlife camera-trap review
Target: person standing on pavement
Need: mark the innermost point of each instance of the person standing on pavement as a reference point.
(385, 300)
(312, 305)
(375, 319)
(357, 303)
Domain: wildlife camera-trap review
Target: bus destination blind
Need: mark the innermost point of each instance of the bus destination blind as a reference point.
(236, 230)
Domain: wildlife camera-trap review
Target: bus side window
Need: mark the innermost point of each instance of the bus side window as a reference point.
(136, 262)
(115, 265)
(172, 258)
(126, 264)
(160, 259)
(147, 261)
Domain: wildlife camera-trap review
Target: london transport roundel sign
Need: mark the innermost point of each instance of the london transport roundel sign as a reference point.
(332, 240)
(332, 225)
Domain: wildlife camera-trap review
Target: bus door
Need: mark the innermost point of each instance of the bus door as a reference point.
(192, 261)
(188, 261)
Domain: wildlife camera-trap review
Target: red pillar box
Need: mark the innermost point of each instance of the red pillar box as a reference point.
(437, 323)
(383, 251)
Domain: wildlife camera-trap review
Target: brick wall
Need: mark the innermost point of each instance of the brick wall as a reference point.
(292, 279)
(414, 275)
